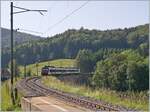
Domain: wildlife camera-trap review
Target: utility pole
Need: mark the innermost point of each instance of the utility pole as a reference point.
(25, 74)
(12, 65)
(37, 64)
(12, 47)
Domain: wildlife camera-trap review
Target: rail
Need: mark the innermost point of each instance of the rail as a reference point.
(34, 87)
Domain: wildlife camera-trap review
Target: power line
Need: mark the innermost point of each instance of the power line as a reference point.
(29, 31)
(54, 25)
(12, 44)
(48, 9)
(60, 21)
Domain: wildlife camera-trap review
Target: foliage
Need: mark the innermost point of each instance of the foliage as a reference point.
(138, 76)
(86, 59)
(136, 100)
(127, 70)
(29, 73)
(138, 36)
(144, 49)
(15, 66)
(68, 44)
(32, 69)
(19, 38)
(6, 103)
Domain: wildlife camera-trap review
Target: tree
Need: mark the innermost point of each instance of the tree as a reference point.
(137, 74)
(144, 49)
(111, 73)
(29, 73)
(85, 61)
(127, 70)
(101, 74)
(118, 78)
(68, 44)
(16, 68)
(36, 65)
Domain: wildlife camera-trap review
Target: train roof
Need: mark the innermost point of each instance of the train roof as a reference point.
(52, 67)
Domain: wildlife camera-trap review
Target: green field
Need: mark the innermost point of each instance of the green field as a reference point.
(56, 63)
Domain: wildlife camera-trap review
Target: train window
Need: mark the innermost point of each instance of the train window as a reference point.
(59, 70)
(54, 70)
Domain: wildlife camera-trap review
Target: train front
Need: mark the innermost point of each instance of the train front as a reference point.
(44, 71)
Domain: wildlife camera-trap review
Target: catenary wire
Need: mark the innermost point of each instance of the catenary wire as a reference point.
(60, 21)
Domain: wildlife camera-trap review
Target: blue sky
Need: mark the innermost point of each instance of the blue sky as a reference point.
(100, 15)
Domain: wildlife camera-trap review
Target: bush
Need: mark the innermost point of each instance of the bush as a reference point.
(125, 71)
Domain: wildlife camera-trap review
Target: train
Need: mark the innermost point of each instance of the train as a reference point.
(51, 70)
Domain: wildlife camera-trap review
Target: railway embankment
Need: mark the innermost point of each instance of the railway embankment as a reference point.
(75, 79)
(135, 101)
(34, 87)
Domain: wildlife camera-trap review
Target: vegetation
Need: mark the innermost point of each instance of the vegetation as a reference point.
(136, 100)
(127, 70)
(32, 68)
(117, 58)
(86, 59)
(6, 103)
(19, 38)
(68, 44)
(131, 99)
(16, 69)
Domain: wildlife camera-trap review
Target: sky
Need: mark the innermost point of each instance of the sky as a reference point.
(100, 15)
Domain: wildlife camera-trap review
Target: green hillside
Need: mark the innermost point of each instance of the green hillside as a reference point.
(130, 99)
(19, 37)
(68, 44)
(56, 63)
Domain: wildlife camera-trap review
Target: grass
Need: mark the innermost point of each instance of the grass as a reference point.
(56, 63)
(139, 102)
(136, 100)
(6, 104)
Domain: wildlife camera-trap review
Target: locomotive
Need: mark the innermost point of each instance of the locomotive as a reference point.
(51, 70)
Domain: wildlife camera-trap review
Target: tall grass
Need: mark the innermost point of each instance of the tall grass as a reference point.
(136, 100)
(6, 103)
(5, 95)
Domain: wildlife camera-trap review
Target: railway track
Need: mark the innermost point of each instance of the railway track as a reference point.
(33, 87)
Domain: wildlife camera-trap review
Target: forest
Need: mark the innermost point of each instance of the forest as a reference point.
(68, 44)
(117, 58)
